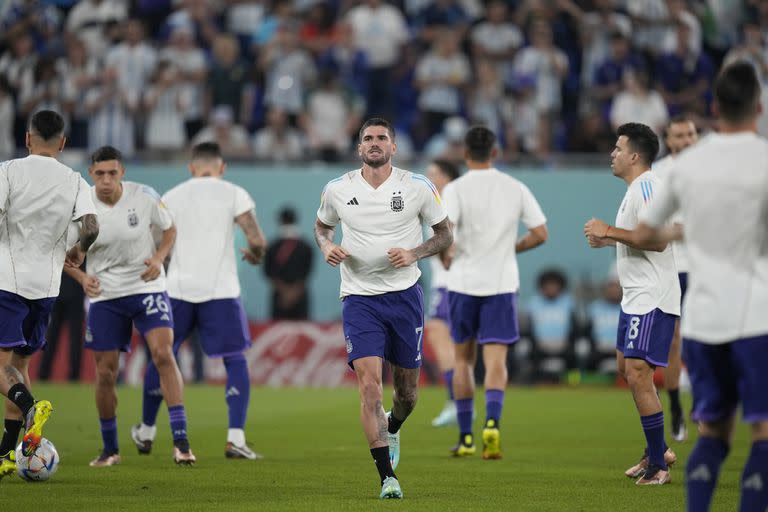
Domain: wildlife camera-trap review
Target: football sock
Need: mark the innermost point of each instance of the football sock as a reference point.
(21, 398)
(702, 471)
(754, 480)
(178, 418)
(109, 435)
(153, 395)
(448, 378)
(10, 436)
(238, 390)
(393, 424)
(464, 409)
(381, 458)
(494, 401)
(653, 427)
(674, 401)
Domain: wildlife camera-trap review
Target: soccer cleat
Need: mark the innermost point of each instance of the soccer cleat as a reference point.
(241, 452)
(143, 445)
(679, 431)
(491, 444)
(655, 475)
(390, 489)
(465, 447)
(36, 418)
(447, 416)
(638, 469)
(394, 446)
(183, 458)
(105, 459)
(7, 464)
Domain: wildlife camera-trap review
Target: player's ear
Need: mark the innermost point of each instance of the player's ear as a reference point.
(62, 143)
(28, 140)
(191, 169)
(394, 148)
(223, 168)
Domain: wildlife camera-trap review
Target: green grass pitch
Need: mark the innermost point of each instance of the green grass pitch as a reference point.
(564, 450)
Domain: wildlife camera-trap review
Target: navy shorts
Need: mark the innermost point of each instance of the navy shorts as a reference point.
(438, 307)
(490, 319)
(647, 336)
(724, 375)
(111, 322)
(220, 323)
(389, 325)
(23, 322)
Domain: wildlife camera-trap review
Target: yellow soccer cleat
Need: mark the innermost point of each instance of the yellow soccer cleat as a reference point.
(7, 464)
(36, 418)
(465, 447)
(491, 443)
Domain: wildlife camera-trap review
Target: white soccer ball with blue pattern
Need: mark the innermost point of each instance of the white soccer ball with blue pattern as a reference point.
(39, 466)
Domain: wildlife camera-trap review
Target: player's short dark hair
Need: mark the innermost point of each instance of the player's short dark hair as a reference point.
(479, 142)
(641, 139)
(287, 216)
(377, 121)
(552, 274)
(105, 154)
(450, 169)
(47, 124)
(737, 92)
(678, 119)
(206, 150)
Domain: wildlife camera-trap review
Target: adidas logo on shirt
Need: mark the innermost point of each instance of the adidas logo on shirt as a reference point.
(353, 202)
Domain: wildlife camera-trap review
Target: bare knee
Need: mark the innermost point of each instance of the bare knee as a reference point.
(638, 373)
(163, 358)
(106, 375)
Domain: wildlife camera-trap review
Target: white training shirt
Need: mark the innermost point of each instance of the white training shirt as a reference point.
(721, 187)
(39, 198)
(662, 169)
(203, 265)
(376, 220)
(648, 278)
(486, 206)
(125, 242)
(439, 273)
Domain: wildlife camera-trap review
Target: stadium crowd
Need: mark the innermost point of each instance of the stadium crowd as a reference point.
(292, 80)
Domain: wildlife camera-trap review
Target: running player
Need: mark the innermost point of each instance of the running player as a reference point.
(651, 294)
(39, 198)
(204, 288)
(125, 282)
(381, 209)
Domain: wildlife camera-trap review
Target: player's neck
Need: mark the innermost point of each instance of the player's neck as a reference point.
(375, 176)
(48, 151)
(633, 174)
(733, 128)
(113, 198)
(473, 165)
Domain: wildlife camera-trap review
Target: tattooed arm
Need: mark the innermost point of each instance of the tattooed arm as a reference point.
(439, 242)
(333, 254)
(89, 230)
(257, 243)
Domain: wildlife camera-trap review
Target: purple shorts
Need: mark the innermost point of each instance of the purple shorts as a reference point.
(490, 319)
(724, 375)
(23, 322)
(647, 336)
(438, 307)
(111, 322)
(389, 325)
(220, 323)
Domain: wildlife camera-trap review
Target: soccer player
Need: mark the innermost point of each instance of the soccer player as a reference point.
(204, 288)
(125, 282)
(650, 303)
(720, 186)
(680, 133)
(486, 206)
(440, 173)
(39, 198)
(381, 209)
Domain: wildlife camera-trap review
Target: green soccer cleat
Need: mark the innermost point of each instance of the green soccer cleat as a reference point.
(7, 464)
(36, 418)
(390, 489)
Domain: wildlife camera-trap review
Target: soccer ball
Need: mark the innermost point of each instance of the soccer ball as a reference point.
(39, 466)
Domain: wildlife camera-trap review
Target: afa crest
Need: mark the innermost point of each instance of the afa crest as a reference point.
(133, 219)
(397, 202)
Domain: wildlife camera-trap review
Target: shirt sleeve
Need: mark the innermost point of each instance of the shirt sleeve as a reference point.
(532, 215)
(663, 205)
(83, 202)
(327, 213)
(243, 202)
(160, 217)
(432, 210)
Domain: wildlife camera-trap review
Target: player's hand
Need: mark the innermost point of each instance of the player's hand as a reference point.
(91, 285)
(400, 258)
(254, 255)
(334, 254)
(595, 228)
(75, 257)
(596, 243)
(154, 267)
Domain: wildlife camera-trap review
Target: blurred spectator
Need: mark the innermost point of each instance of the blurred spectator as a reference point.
(332, 119)
(649, 19)
(18, 58)
(7, 116)
(593, 135)
(133, 61)
(609, 75)
(487, 104)
(165, 102)
(91, 20)
(684, 76)
(639, 104)
(496, 39)
(81, 73)
(552, 315)
(380, 31)
(110, 113)
(230, 136)
(677, 13)
(752, 48)
(287, 265)
(602, 326)
(600, 29)
(192, 72)
(226, 77)
(318, 30)
(35, 18)
(278, 141)
(242, 16)
(448, 144)
(348, 63)
(44, 88)
(289, 72)
(441, 76)
(524, 131)
(68, 309)
(439, 15)
(198, 15)
(281, 13)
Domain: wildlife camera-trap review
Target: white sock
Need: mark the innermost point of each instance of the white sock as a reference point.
(236, 436)
(147, 433)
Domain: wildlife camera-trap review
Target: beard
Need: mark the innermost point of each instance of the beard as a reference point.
(376, 162)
